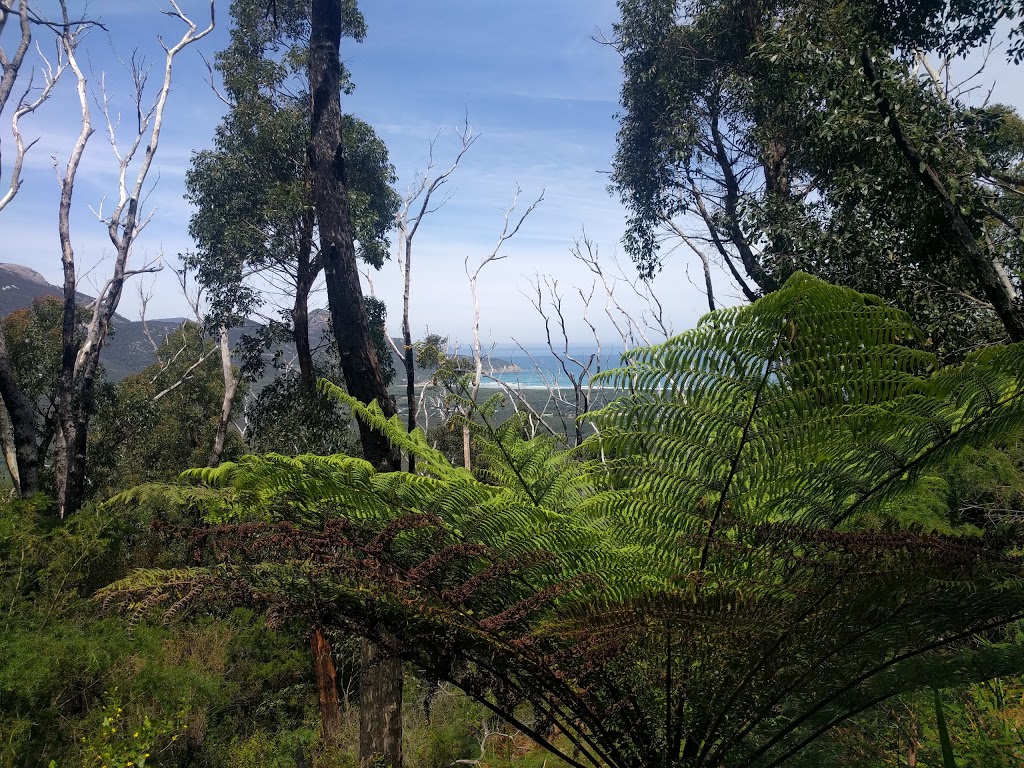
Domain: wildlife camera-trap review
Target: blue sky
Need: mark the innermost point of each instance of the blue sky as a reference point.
(541, 94)
(538, 90)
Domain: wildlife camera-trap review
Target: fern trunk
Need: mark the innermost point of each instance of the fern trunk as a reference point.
(380, 709)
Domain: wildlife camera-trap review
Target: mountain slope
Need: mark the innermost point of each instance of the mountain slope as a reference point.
(129, 349)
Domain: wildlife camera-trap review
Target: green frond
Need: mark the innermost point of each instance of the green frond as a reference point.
(752, 540)
(430, 460)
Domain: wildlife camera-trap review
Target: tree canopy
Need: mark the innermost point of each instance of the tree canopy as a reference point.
(794, 136)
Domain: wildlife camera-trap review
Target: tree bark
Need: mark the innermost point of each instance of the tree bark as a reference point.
(380, 728)
(228, 401)
(300, 334)
(23, 460)
(408, 360)
(359, 362)
(751, 263)
(12, 66)
(308, 269)
(380, 708)
(326, 686)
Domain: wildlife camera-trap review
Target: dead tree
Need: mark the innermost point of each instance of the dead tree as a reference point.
(19, 435)
(643, 323)
(163, 364)
(508, 231)
(81, 347)
(415, 206)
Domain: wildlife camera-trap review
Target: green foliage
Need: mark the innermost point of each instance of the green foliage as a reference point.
(161, 421)
(762, 123)
(34, 345)
(948, 760)
(717, 577)
(74, 684)
(33, 338)
(951, 26)
(120, 743)
(252, 191)
(283, 418)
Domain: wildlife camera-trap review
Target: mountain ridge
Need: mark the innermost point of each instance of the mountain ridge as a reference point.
(129, 348)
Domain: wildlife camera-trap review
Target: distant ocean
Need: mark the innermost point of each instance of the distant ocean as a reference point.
(540, 369)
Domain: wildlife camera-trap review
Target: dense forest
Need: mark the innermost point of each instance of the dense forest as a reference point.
(789, 536)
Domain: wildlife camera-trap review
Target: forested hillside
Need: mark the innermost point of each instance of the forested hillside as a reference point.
(292, 530)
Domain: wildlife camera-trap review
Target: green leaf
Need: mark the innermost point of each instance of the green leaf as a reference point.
(948, 761)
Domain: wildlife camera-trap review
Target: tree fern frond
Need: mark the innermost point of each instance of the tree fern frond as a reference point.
(747, 550)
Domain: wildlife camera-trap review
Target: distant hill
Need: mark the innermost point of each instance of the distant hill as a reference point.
(20, 286)
(129, 350)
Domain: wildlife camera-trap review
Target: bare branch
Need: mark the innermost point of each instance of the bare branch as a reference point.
(81, 352)
(26, 107)
(705, 262)
(31, 17)
(508, 231)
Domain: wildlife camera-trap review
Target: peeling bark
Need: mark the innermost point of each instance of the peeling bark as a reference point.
(228, 401)
(326, 686)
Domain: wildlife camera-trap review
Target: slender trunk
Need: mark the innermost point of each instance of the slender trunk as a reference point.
(228, 402)
(478, 371)
(72, 419)
(380, 708)
(21, 448)
(326, 686)
(408, 359)
(11, 67)
(300, 334)
(989, 271)
(307, 272)
(380, 727)
(912, 745)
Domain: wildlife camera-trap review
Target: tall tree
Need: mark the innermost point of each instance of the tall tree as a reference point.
(255, 224)
(381, 684)
(81, 347)
(758, 131)
(414, 207)
(21, 449)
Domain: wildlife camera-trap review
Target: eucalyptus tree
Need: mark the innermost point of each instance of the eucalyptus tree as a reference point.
(21, 449)
(255, 226)
(807, 135)
(81, 347)
(380, 710)
(294, 188)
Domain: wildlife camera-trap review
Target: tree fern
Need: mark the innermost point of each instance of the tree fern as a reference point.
(715, 578)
